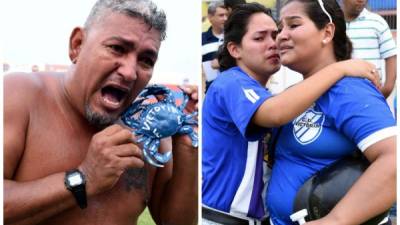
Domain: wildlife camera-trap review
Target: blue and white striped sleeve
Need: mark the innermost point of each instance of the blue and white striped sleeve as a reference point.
(387, 46)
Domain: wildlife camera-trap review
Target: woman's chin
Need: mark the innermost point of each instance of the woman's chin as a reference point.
(286, 60)
(289, 59)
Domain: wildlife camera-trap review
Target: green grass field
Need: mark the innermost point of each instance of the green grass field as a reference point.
(145, 218)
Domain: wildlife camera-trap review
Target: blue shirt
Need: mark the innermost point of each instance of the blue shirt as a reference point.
(232, 154)
(351, 114)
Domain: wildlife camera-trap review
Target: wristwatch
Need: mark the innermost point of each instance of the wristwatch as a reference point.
(76, 183)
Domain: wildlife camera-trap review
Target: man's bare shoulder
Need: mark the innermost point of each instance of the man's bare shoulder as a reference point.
(24, 81)
(25, 87)
(24, 91)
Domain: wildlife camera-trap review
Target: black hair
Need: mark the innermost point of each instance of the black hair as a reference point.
(234, 30)
(341, 43)
(233, 3)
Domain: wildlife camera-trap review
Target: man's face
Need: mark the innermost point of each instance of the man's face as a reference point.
(354, 7)
(219, 18)
(115, 62)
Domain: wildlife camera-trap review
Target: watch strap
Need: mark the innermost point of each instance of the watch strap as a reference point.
(79, 192)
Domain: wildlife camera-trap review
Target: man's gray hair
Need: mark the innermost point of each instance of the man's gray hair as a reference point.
(212, 7)
(143, 9)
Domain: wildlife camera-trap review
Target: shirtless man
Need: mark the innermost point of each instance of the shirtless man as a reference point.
(54, 123)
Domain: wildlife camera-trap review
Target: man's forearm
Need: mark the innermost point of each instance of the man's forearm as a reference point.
(34, 201)
(390, 67)
(181, 192)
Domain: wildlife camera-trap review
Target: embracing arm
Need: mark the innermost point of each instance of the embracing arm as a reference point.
(284, 107)
(373, 193)
(390, 65)
(26, 202)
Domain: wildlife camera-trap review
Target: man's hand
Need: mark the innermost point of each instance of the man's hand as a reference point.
(110, 152)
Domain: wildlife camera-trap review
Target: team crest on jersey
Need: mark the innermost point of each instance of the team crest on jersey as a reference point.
(308, 126)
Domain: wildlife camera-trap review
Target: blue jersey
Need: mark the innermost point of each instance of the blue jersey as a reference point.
(351, 115)
(232, 154)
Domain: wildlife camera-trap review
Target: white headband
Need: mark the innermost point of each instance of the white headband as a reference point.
(321, 3)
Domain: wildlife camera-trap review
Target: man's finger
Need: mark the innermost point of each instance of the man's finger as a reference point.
(123, 136)
(112, 129)
(128, 150)
(131, 162)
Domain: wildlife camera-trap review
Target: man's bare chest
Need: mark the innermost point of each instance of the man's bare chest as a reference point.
(121, 205)
(54, 146)
(58, 148)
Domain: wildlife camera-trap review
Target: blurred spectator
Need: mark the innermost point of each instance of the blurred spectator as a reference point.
(212, 39)
(6, 67)
(372, 40)
(35, 68)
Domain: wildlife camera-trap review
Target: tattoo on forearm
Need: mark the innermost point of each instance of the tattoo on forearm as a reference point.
(135, 179)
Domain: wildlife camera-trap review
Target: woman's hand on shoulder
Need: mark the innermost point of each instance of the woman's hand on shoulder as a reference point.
(359, 68)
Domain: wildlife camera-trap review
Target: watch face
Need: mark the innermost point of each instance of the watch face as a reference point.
(75, 179)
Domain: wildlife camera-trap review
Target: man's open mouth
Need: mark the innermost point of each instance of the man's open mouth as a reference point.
(113, 95)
